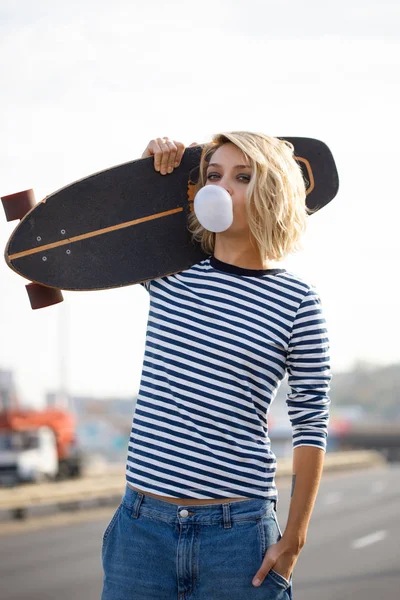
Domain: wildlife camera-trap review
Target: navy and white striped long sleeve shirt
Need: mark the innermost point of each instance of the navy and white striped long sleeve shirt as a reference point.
(219, 341)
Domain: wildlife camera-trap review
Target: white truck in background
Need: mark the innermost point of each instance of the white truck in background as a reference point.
(28, 456)
(38, 445)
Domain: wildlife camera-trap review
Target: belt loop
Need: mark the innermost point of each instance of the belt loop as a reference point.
(136, 506)
(227, 515)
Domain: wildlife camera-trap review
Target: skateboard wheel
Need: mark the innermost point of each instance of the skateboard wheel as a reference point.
(16, 206)
(41, 296)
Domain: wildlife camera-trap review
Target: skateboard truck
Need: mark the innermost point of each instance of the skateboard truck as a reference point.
(17, 206)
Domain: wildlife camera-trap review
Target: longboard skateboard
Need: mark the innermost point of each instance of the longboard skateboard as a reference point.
(126, 224)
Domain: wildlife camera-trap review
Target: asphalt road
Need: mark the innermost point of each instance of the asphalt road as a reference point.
(352, 550)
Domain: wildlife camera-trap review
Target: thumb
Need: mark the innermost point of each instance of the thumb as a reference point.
(194, 144)
(147, 153)
(262, 572)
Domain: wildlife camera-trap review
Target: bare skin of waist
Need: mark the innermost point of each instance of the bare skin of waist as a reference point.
(188, 501)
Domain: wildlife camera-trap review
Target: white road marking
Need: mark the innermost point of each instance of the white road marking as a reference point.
(378, 487)
(332, 498)
(369, 539)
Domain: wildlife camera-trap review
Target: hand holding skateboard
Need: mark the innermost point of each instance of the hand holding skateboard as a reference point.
(167, 154)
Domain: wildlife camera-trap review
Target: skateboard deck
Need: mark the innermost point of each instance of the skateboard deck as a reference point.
(128, 224)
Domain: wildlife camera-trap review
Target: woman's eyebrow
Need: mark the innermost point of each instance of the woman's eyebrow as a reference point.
(235, 167)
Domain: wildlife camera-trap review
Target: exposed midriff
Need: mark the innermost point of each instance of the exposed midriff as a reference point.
(188, 501)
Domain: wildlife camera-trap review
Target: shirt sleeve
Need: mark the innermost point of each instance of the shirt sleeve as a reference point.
(146, 284)
(309, 374)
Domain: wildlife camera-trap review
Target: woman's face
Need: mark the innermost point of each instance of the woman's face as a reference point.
(229, 168)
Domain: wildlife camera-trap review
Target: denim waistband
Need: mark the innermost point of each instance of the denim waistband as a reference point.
(244, 510)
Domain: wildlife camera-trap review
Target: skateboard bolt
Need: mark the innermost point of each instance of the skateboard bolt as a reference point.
(68, 251)
(62, 231)
(39, 239)
(44, 258)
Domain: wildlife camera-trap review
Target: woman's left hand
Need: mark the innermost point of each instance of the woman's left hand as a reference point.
(278, 558)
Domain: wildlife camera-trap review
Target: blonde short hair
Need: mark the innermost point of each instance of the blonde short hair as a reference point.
(276, 208)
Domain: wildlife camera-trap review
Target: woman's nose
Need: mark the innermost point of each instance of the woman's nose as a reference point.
(225, 185)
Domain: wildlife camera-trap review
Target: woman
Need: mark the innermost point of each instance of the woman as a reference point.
(198, 516)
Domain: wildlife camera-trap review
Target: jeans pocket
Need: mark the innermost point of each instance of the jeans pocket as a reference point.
(277, 524)
(280, 578)
(271, 534)
(111, 524)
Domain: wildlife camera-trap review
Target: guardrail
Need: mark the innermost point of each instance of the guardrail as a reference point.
(21, 501)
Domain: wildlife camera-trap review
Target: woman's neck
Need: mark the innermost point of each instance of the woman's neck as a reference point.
(247, 258)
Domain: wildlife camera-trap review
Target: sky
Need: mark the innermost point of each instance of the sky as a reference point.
(86, 85)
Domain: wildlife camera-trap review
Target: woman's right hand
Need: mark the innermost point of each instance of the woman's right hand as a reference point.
(167, 154)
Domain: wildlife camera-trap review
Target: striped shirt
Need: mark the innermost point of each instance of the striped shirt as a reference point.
(219, 341)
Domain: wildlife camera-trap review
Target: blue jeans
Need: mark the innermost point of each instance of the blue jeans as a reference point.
(158, 550)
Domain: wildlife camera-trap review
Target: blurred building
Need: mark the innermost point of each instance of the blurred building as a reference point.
(7, 390)
(104, 425)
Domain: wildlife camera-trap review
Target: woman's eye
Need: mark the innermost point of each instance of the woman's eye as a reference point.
(246, 177)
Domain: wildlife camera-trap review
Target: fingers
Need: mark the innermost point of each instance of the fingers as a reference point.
(167, 154)
(283, 564)
(179, 154)
(155, 148)
(151, 149)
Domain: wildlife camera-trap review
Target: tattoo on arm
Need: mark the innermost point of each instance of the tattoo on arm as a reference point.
(293, 484)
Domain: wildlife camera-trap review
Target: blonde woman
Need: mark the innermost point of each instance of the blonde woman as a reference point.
(198, 516)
